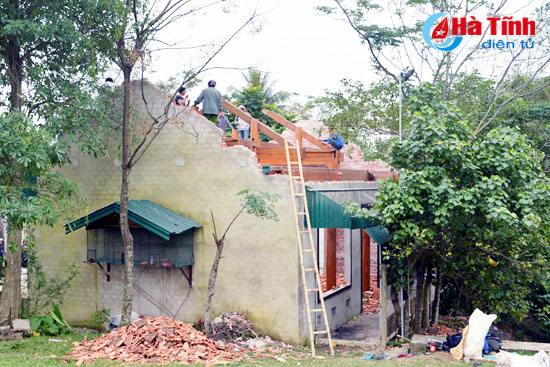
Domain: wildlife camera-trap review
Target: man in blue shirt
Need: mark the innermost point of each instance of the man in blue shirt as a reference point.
(335, 140)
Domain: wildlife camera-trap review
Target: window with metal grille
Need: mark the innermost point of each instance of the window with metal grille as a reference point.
(105, 244)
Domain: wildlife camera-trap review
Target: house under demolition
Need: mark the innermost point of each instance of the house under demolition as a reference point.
(188, 172)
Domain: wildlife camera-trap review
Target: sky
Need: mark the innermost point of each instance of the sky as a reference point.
(304, 51)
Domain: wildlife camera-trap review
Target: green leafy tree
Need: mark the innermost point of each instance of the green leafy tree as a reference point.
(401, 46)
(261, 81)
(258, 94)
(367, 117)
(257, 203)
(50, 57)
(459, 200)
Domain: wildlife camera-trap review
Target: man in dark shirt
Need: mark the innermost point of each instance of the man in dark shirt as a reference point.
(211, 102)
(182, 99)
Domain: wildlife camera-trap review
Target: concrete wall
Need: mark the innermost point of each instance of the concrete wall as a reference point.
(187, 171)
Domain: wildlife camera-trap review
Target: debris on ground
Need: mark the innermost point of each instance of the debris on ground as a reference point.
(231, 326)
(164, 339)
(446, 326)
(371, 298)
(378, 356)
(156, 339)
(7, 333)
(114, 321)
(18, 328)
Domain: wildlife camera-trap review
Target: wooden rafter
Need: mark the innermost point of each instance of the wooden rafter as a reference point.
(289, 125)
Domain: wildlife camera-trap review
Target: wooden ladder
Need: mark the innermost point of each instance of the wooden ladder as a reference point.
(298, 216)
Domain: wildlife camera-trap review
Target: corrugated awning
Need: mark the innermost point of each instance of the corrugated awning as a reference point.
(151, 216)
(326, 213)
(379, 234)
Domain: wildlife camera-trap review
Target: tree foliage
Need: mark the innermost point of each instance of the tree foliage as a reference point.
(460, 200)
(50, 56)
(258, 94)
(401, 46)
(31, 191)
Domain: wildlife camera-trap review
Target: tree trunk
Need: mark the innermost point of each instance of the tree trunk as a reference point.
(437, 297)
(419, 302)
(10, 300)
(211, 285)
(13, 56)
(407, 314)
(394, 295)
(427, 288)
(127, 295)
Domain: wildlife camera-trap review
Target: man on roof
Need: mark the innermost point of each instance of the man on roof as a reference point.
(335, 140)
(211, 100)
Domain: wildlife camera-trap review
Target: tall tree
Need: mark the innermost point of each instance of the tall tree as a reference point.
(401, 46)
(140, 24)
(459, 201)
(49, 58)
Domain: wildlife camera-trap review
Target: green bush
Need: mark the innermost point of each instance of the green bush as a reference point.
(51, 324)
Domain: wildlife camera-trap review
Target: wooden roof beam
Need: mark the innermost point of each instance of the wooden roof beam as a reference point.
(289, 125)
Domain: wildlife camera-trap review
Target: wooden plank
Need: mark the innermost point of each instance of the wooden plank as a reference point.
(330, 258)
(298, 136)
(383, 306)
(254, 132)
(289, 125)
(234, 110)
(365, 255)
(272, 134)
(276, 156)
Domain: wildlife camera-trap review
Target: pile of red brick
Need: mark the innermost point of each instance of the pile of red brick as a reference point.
(156, 339)
(371, 298)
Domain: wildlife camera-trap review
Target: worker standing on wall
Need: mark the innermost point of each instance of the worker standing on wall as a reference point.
(211, 100)
(223, 123)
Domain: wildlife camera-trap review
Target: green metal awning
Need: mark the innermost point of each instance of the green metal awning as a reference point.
(326, 213)
(153, 217)
(379, 234)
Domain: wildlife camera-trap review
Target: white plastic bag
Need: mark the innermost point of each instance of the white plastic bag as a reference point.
(540, 359)
(479, 326)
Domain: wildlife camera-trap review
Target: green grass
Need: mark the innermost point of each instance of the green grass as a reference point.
(38, 351)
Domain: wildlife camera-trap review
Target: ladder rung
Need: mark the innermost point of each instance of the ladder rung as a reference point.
(320, 332)
(309, 269)
(294, 162)
(316, 310)
(299, 194)
(301, 213)
(313, 290)
(297, 177)
(307, 250)
(304, 231)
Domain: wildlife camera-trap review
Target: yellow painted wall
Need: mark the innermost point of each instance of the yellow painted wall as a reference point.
(187, 171)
